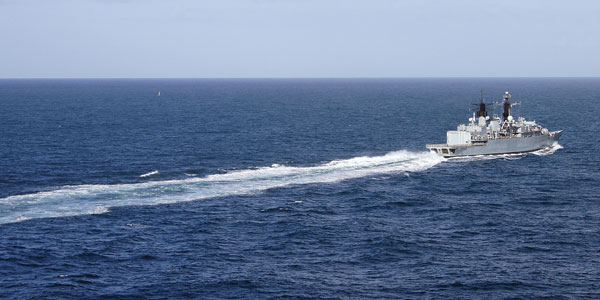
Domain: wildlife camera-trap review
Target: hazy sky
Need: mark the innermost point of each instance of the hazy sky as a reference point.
(298, 38)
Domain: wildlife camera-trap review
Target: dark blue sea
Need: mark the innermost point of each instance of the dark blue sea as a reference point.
(292, 189)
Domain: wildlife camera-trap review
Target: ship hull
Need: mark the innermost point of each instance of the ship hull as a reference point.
(499, 146)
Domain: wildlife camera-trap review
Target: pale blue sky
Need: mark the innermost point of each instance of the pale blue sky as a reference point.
(298, 38)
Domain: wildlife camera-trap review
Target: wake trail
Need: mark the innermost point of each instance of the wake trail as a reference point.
(93, 199)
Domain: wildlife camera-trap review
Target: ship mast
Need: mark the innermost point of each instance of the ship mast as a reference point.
(506, 103)
(482, 112)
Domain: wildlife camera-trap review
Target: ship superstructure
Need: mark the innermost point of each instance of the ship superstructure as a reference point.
(484, 135)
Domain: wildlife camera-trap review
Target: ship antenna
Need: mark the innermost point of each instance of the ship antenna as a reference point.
(481, 97)
(482, 112)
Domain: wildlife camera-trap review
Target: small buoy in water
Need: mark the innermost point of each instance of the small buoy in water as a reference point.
(159, 93)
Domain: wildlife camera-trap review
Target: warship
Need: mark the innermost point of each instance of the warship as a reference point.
(491, 136)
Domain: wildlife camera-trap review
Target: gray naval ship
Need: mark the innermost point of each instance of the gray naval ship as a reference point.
(486, 136)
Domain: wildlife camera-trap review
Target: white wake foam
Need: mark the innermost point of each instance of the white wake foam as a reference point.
(93, 199)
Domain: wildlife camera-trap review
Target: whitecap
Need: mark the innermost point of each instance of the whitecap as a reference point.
(152, 173)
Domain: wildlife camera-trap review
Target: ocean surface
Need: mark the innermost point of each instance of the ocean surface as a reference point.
(292, 189)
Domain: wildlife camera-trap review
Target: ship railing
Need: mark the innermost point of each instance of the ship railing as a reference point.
(436, 145)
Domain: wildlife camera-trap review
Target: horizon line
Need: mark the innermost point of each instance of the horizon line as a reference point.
(308, 77)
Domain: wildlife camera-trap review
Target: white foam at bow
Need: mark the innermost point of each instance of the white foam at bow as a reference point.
(549, 150)
(91, 199)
